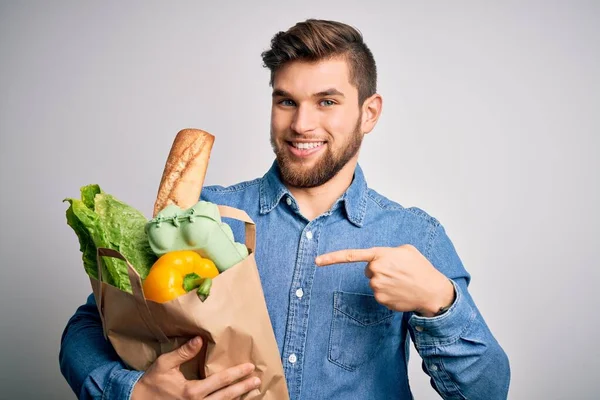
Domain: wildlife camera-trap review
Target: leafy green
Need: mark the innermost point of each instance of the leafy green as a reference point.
(85, 224)
(88, 193)
(100, 220)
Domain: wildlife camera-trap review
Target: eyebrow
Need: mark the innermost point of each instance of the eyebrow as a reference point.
(328, 92)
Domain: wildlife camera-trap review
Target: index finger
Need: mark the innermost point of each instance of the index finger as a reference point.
(346, 256)
(224, 379)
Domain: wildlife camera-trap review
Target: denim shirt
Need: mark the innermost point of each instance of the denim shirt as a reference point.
(335, 340)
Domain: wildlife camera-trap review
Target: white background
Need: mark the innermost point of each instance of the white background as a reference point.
(490, 124)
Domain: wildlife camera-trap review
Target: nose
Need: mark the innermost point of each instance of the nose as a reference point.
(304, 120)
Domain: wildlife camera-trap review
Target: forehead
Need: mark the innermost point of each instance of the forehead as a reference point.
(303, 77)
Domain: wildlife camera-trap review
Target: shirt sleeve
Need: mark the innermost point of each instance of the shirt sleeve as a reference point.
(88, 361)
(459, 352)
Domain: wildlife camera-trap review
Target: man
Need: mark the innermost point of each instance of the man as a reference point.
(342, 330)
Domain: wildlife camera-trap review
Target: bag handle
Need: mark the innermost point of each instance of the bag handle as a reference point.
(136, 289)
(240, 215)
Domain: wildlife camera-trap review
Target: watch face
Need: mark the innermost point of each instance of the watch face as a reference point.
(442, 310)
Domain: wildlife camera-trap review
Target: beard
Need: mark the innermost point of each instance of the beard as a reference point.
(295, 173)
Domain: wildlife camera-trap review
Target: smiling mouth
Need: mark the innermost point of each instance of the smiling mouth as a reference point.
(306, 145)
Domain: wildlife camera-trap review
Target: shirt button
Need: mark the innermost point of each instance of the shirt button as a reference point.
(419, 328)
(434, 367)
(288, 201)
(309, 235)
(299, 293)
(292, 358)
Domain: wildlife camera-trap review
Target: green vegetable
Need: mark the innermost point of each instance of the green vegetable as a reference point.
(100, 220)
(204, 289)
(193, 281)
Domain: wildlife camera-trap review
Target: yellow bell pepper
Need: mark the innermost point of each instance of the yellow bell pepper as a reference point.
(166, 278)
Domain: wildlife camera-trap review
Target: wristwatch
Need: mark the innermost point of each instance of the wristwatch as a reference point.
(442, 310)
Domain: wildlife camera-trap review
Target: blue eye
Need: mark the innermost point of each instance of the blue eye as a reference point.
(327, 103)
(287, 103)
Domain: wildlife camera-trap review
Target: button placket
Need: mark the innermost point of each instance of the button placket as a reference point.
(299, 307)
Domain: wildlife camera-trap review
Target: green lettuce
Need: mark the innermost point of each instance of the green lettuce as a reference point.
(100, 220)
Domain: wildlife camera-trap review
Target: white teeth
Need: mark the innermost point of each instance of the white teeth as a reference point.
(306, 146)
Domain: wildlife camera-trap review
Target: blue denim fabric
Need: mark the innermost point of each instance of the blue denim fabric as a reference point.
(335, 340)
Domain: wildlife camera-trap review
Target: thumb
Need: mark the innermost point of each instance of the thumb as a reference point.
(175, 358)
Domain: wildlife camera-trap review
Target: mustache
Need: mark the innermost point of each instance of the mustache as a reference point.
(293, 136)
(304, 137)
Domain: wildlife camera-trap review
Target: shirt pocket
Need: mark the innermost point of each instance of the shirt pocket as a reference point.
(358, 329)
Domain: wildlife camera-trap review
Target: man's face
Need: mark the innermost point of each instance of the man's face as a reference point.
(315, 121)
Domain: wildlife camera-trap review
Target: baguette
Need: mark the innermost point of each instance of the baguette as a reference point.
(185, 169)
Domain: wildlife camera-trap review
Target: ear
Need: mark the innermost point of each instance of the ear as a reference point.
(371, 110)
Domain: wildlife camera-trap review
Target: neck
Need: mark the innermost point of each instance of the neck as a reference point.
(318, 200)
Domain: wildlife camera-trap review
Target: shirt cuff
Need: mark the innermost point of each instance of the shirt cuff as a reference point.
(446, 328)
(120, 384)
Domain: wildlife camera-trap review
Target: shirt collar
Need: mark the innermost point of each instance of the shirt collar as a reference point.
(272, 191)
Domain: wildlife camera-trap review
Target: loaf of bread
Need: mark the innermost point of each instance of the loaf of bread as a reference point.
(185, 170)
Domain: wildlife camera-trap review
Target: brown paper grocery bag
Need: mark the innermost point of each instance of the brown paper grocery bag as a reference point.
(233, 321)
